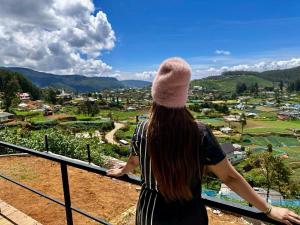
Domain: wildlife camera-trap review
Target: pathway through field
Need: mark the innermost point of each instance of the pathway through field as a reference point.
(110, 135)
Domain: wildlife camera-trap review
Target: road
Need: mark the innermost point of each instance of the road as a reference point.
(110, 135)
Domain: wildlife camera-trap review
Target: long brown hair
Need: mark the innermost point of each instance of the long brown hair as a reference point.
(174, 142)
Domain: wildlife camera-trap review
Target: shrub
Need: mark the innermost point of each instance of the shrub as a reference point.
(44, 124)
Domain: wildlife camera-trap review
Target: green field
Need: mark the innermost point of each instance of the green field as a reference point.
(275, 140)
(276, 126)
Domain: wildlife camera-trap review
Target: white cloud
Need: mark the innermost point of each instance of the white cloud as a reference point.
(60, 36)
(222, 52)
(259, 66)
(146, 75)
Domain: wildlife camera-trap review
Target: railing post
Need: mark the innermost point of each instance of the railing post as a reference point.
(88, 153)
(46, 143)
(65, 181)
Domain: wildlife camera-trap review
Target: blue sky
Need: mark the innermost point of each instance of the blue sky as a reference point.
(246, 31)
(128, 39)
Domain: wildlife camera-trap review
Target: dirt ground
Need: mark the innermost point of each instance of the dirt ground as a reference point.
(100, 196)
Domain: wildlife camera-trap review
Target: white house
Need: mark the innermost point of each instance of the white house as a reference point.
(5, 116)
(226, 130)
(24, 96)
(124, 142)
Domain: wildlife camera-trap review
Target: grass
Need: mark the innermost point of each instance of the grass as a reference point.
(39, 118)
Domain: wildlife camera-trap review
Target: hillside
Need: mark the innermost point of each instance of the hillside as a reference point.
(286, 75)
(228, 83)
(135, 83)
(228, 80)
(77, 83)
(12, 82)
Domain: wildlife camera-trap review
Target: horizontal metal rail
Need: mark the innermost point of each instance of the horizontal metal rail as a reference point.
(209, 201)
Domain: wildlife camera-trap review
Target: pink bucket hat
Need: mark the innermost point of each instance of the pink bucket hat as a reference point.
(171, 83)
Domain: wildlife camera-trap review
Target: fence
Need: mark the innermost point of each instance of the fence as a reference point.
(65, 162)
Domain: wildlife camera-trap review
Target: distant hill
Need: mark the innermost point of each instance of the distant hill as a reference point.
(136, 83)
(228, 83)
(75, 82)
(228, 80)
(285, 75)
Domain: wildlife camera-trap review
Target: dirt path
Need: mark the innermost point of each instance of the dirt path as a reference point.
(110, 135)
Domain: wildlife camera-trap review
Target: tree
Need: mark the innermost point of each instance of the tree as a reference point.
(281, 85)
(282, 175)
(277, 98)
(51, 96)
(243, 121)
(275, 172)
(241, 88)
(270, 148)
(291, 87)
(254, 88)
(10, 90)
(89, 108)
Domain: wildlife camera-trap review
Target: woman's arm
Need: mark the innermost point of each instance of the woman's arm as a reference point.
(227, 173)
(132, 163)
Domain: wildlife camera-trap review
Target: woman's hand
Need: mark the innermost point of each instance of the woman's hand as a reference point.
(117, 172)
(285, 216)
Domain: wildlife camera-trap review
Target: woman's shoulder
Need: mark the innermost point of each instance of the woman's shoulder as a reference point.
(203, 127)
(141, 128)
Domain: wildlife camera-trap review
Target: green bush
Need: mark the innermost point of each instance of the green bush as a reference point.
(99, 125)
(44, 124)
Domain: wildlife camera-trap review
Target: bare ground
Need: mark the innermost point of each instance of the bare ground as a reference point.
(101, 196)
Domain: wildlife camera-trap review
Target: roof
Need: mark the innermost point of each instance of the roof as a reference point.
(227, 148)
(5, 114)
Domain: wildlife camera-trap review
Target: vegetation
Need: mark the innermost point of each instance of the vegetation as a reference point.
(11, 83)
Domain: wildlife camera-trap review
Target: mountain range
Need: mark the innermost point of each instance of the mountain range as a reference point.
(77, 83)
(227, 81)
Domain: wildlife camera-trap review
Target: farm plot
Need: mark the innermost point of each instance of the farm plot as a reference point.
(277, 126)
(274, 140)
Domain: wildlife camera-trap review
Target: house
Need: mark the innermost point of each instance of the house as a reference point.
(226, 130)
(124, 142)
(240, 106)
(273, 195)
(251, 114)
(232, 118)
(285, 115)
(198, 88)
(5, 117)
(64, 95)
(232, 153)
(130, 108)
(23, 106)
(228, 149)
(23, 96)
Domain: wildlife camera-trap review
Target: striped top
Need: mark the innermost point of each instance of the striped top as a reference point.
(213, 153)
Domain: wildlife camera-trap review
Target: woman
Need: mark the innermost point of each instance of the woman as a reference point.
(173, 150)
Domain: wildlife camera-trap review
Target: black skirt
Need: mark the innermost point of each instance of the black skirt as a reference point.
(152, 209)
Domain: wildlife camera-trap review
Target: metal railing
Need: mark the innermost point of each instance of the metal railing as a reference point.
(65, 162)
